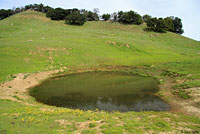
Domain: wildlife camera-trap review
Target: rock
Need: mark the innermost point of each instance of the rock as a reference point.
(30, 40)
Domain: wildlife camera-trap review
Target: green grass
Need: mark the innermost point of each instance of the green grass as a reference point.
(30, 42)
(188, 84)
(16, 117)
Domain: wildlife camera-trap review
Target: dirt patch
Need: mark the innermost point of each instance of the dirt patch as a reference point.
(16, 89)
(63, 123)
(86, 125)
(117, 44)
(80, 126)
(111, 42)
(187, 106)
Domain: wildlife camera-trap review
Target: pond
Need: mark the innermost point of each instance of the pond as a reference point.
(108, 91)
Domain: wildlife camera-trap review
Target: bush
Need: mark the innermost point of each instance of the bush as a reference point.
(75, 18)
(106, 17)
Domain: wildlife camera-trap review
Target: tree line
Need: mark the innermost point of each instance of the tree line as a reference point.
(79, 17)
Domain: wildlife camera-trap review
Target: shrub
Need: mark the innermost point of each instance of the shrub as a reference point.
(75, 18)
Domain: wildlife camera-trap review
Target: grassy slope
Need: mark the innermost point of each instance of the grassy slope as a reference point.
(88, 43)
(29, 42)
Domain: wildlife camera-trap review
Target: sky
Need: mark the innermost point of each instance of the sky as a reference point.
(187, 10)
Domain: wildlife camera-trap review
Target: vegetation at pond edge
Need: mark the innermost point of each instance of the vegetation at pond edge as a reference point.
(31, 43)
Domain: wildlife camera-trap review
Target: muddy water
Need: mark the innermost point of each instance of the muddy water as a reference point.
(109, 91)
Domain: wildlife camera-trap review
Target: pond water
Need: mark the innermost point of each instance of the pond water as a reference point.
(108, 91)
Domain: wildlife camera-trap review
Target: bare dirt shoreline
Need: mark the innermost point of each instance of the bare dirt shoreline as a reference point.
(16, 90)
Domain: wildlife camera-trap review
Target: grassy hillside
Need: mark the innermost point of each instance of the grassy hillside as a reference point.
(30, 42)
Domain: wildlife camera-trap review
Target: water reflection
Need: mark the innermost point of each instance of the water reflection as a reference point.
(106, 91)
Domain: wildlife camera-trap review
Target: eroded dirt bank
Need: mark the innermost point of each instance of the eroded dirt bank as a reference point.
(15, 89)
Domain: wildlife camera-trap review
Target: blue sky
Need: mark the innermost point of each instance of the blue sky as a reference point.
(187, 10)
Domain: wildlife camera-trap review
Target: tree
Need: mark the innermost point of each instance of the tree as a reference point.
(58, 13)
(96, 10)
(157, 25)
(178, 25)
(114, 17)
(40, 7)
(5, 13)
(46, 9)
(91, 16)
(130, 17)
(146, 17)
(160, 25)
(172, 24)
(17, 10)
(169, 24)
(106, 17)
(151, 23)
(75, 18)
(96, 13)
